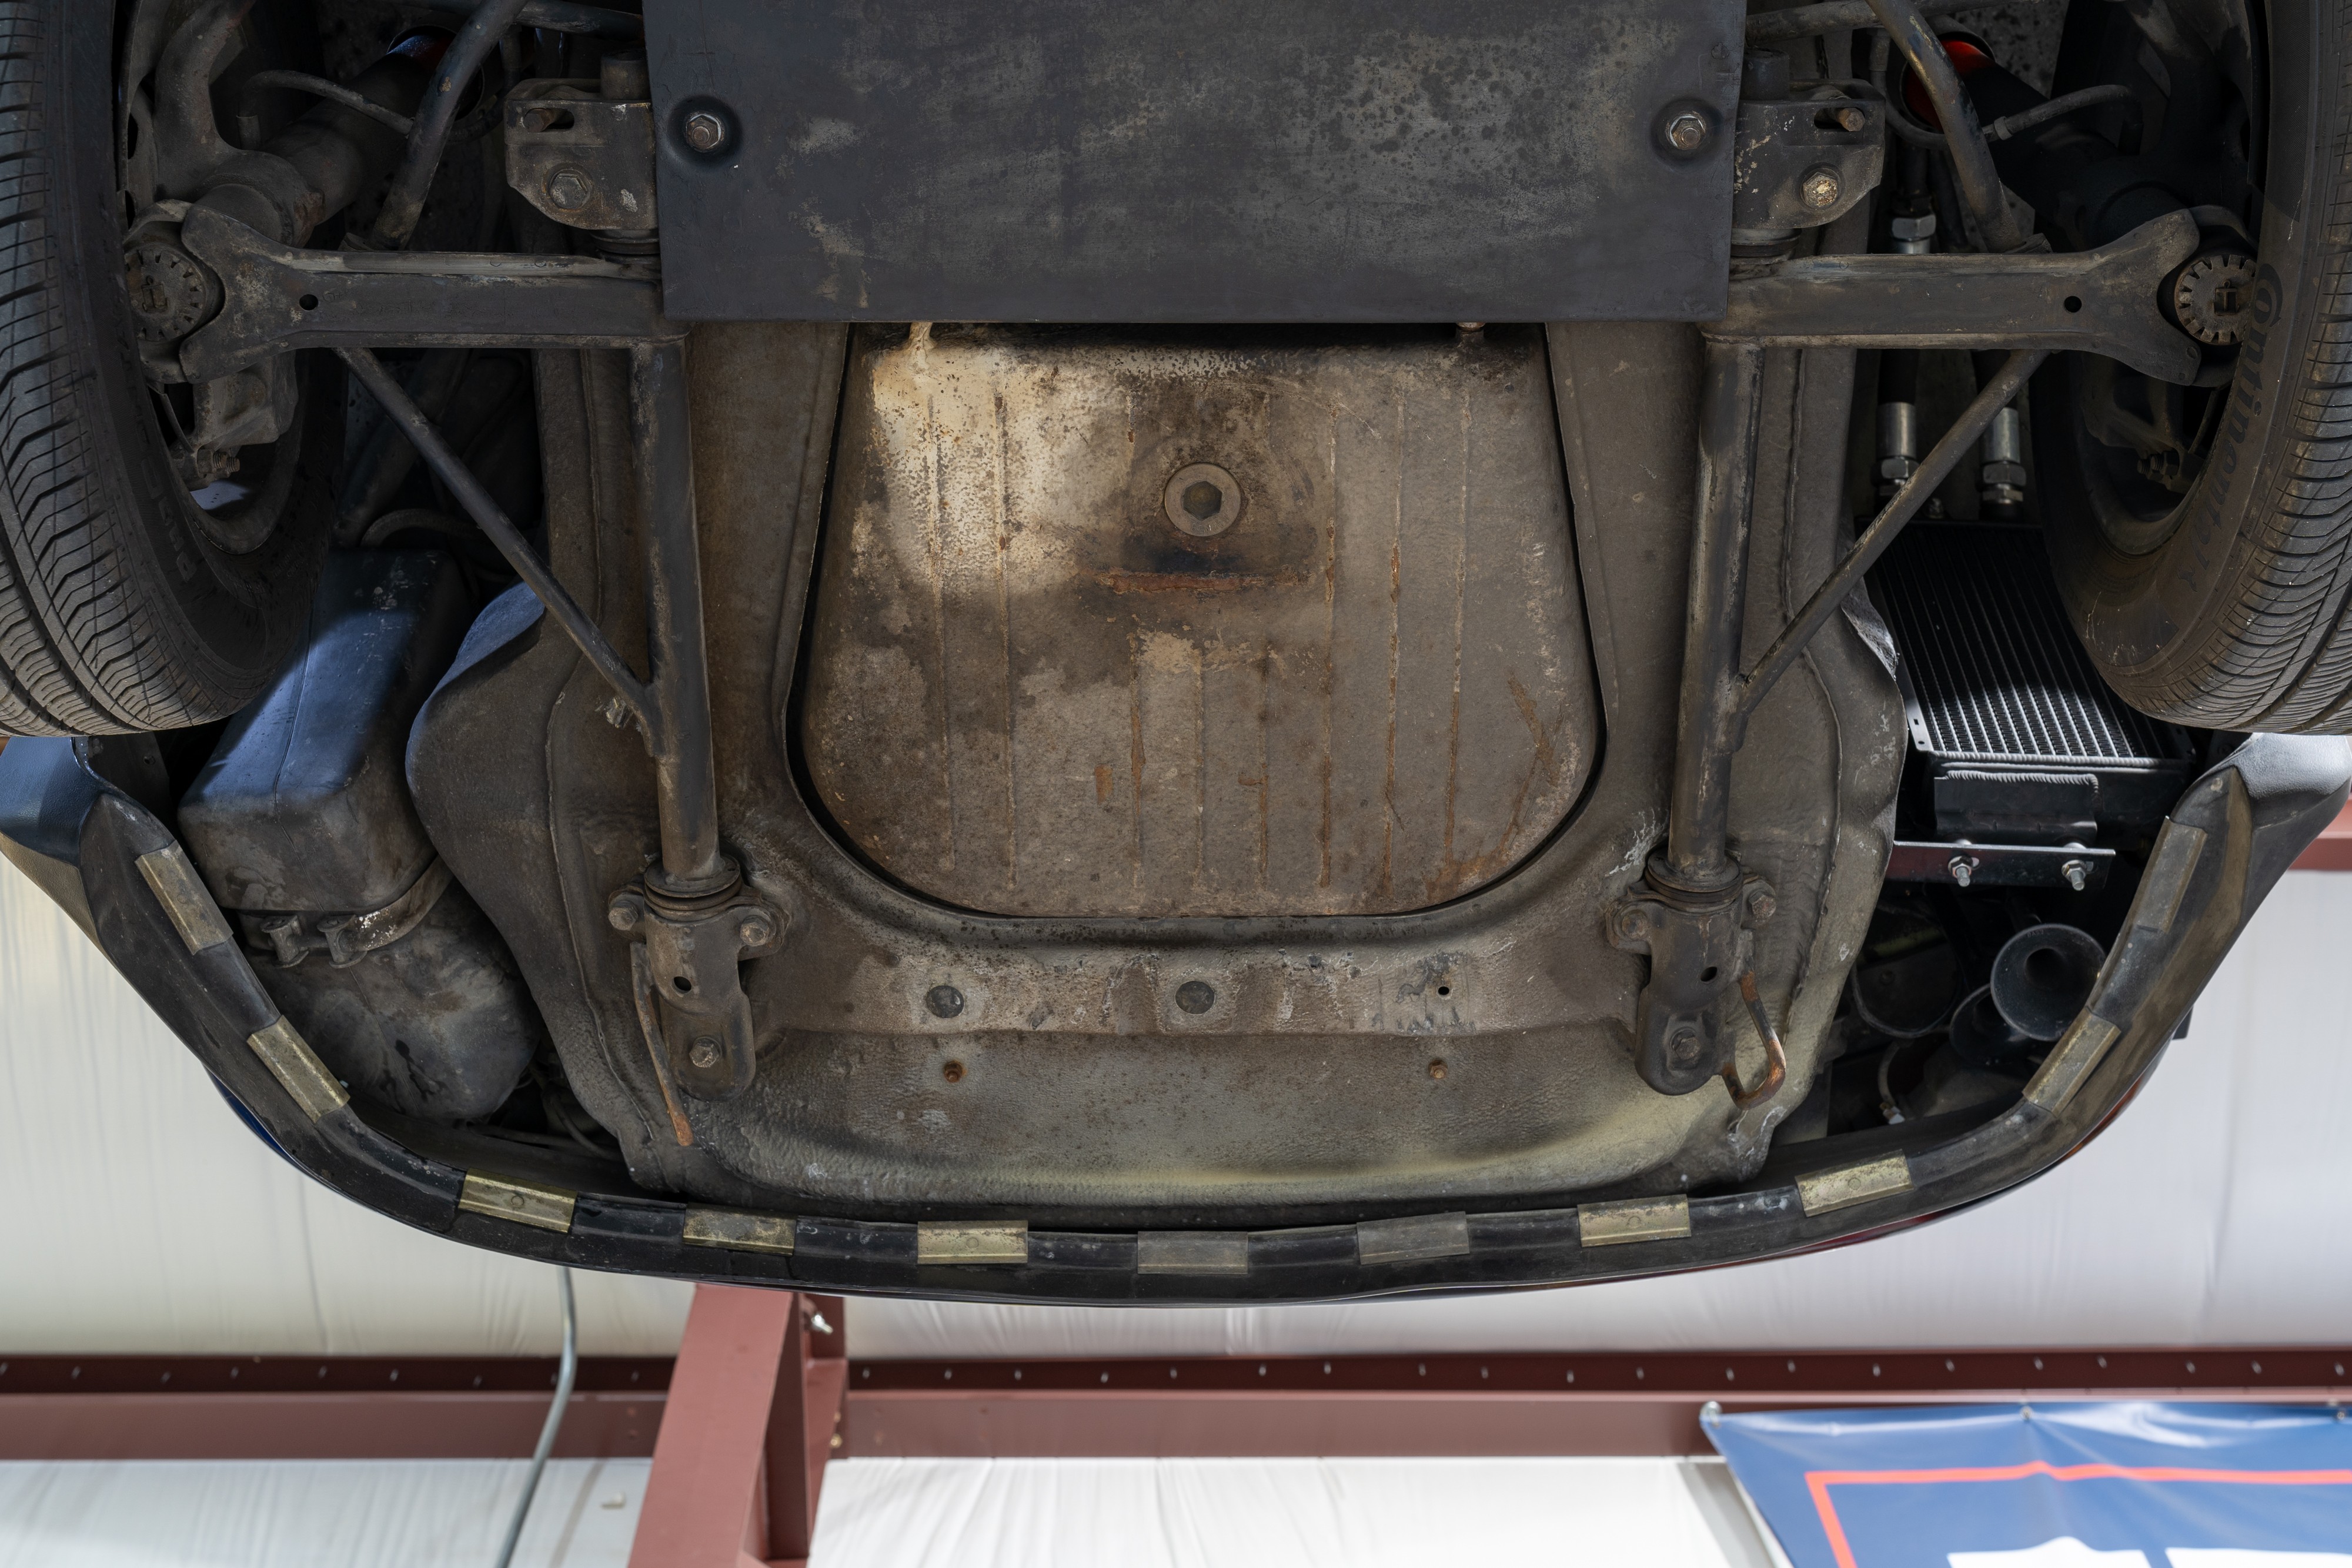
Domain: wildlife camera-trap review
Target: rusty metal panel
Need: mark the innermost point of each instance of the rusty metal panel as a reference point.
(1198, 624)
(1204, 160)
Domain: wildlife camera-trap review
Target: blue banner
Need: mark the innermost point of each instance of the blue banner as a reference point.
(2049, 1486)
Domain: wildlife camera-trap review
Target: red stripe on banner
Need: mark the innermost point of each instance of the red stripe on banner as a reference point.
(1819, 1482)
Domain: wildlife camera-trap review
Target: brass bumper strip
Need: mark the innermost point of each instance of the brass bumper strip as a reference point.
(2078, 1050)
(1632, 1220)
(523, 1202)
(1413, 1239)
(737, 1230)
(181, 892)
(1821, 1191)
(949, 1241)
(294, 1064)
(1191, 1252)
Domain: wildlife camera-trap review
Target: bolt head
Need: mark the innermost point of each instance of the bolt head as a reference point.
(705, 131)
(570, 189)
(1762, 903)
(755, 928)
(624, 914)
(1683, 1045)
(1632, 922)
(1853, 119)
(1820, 189)
(944, 1001)
(1687, 131)
(705, 1052)
(1196, 997)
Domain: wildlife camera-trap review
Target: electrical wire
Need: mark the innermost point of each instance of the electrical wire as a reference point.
(564, 1373)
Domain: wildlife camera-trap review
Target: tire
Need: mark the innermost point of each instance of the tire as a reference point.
(2233, 610)
(124, 607)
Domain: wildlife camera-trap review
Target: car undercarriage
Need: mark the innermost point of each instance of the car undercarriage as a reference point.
(1228, 655)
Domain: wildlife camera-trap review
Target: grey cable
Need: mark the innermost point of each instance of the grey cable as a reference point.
(547, 1431)
(333, 92)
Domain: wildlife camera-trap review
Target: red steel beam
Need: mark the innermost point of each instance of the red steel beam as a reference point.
(745, 1434)
(378, 1407)
(1497, 1405)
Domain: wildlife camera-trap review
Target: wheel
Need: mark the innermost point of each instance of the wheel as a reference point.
(141, 588)
(2202, 536)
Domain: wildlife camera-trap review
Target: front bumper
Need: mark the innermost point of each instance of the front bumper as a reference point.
(2226, 844)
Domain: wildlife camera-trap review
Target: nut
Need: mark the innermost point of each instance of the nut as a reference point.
(1962, 868)
(1202, 499)
(1687, 131)
(1820, 189)
(2211, 297)
(2077, 874)
(569, 189)
(704, 1052)
(1852, 118)
(705, 131)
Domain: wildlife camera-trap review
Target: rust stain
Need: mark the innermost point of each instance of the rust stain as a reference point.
(1135, 749)
(1461, 601)
(1123, 582)
(934, 525)
(1330, 642)
(1396, 593)
(1005, 618)
(1545, 757)
(1102, 785)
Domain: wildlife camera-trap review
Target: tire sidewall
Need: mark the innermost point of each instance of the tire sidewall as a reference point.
(224, 623)
(2159, 623)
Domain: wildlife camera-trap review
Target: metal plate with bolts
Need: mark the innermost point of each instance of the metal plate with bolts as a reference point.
(1211, 161)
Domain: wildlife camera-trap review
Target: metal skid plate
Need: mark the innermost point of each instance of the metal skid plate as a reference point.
(1358, 684)
(1215, 161)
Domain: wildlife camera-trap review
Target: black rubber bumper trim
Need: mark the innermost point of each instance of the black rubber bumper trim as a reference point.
(2256, 811)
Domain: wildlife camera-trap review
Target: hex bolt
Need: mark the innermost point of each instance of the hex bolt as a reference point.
(1962, 868)
(755, 928)
(1853, 119)
(1760, 903)
(944, 1001)
(570, 189)
(704, 1052)
(624, 913)
(2077, 874)
(1683, 1044)
(1633, 923)
(1437, 1068)
(1196, 997)
(1820, 189)
(705, 131)
(1687, 131)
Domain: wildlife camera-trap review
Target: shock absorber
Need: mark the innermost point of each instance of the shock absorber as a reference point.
(2001, 475)
(1911, 226)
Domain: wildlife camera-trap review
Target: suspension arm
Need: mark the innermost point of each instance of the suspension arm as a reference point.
(2104, 302)
(275, 298)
